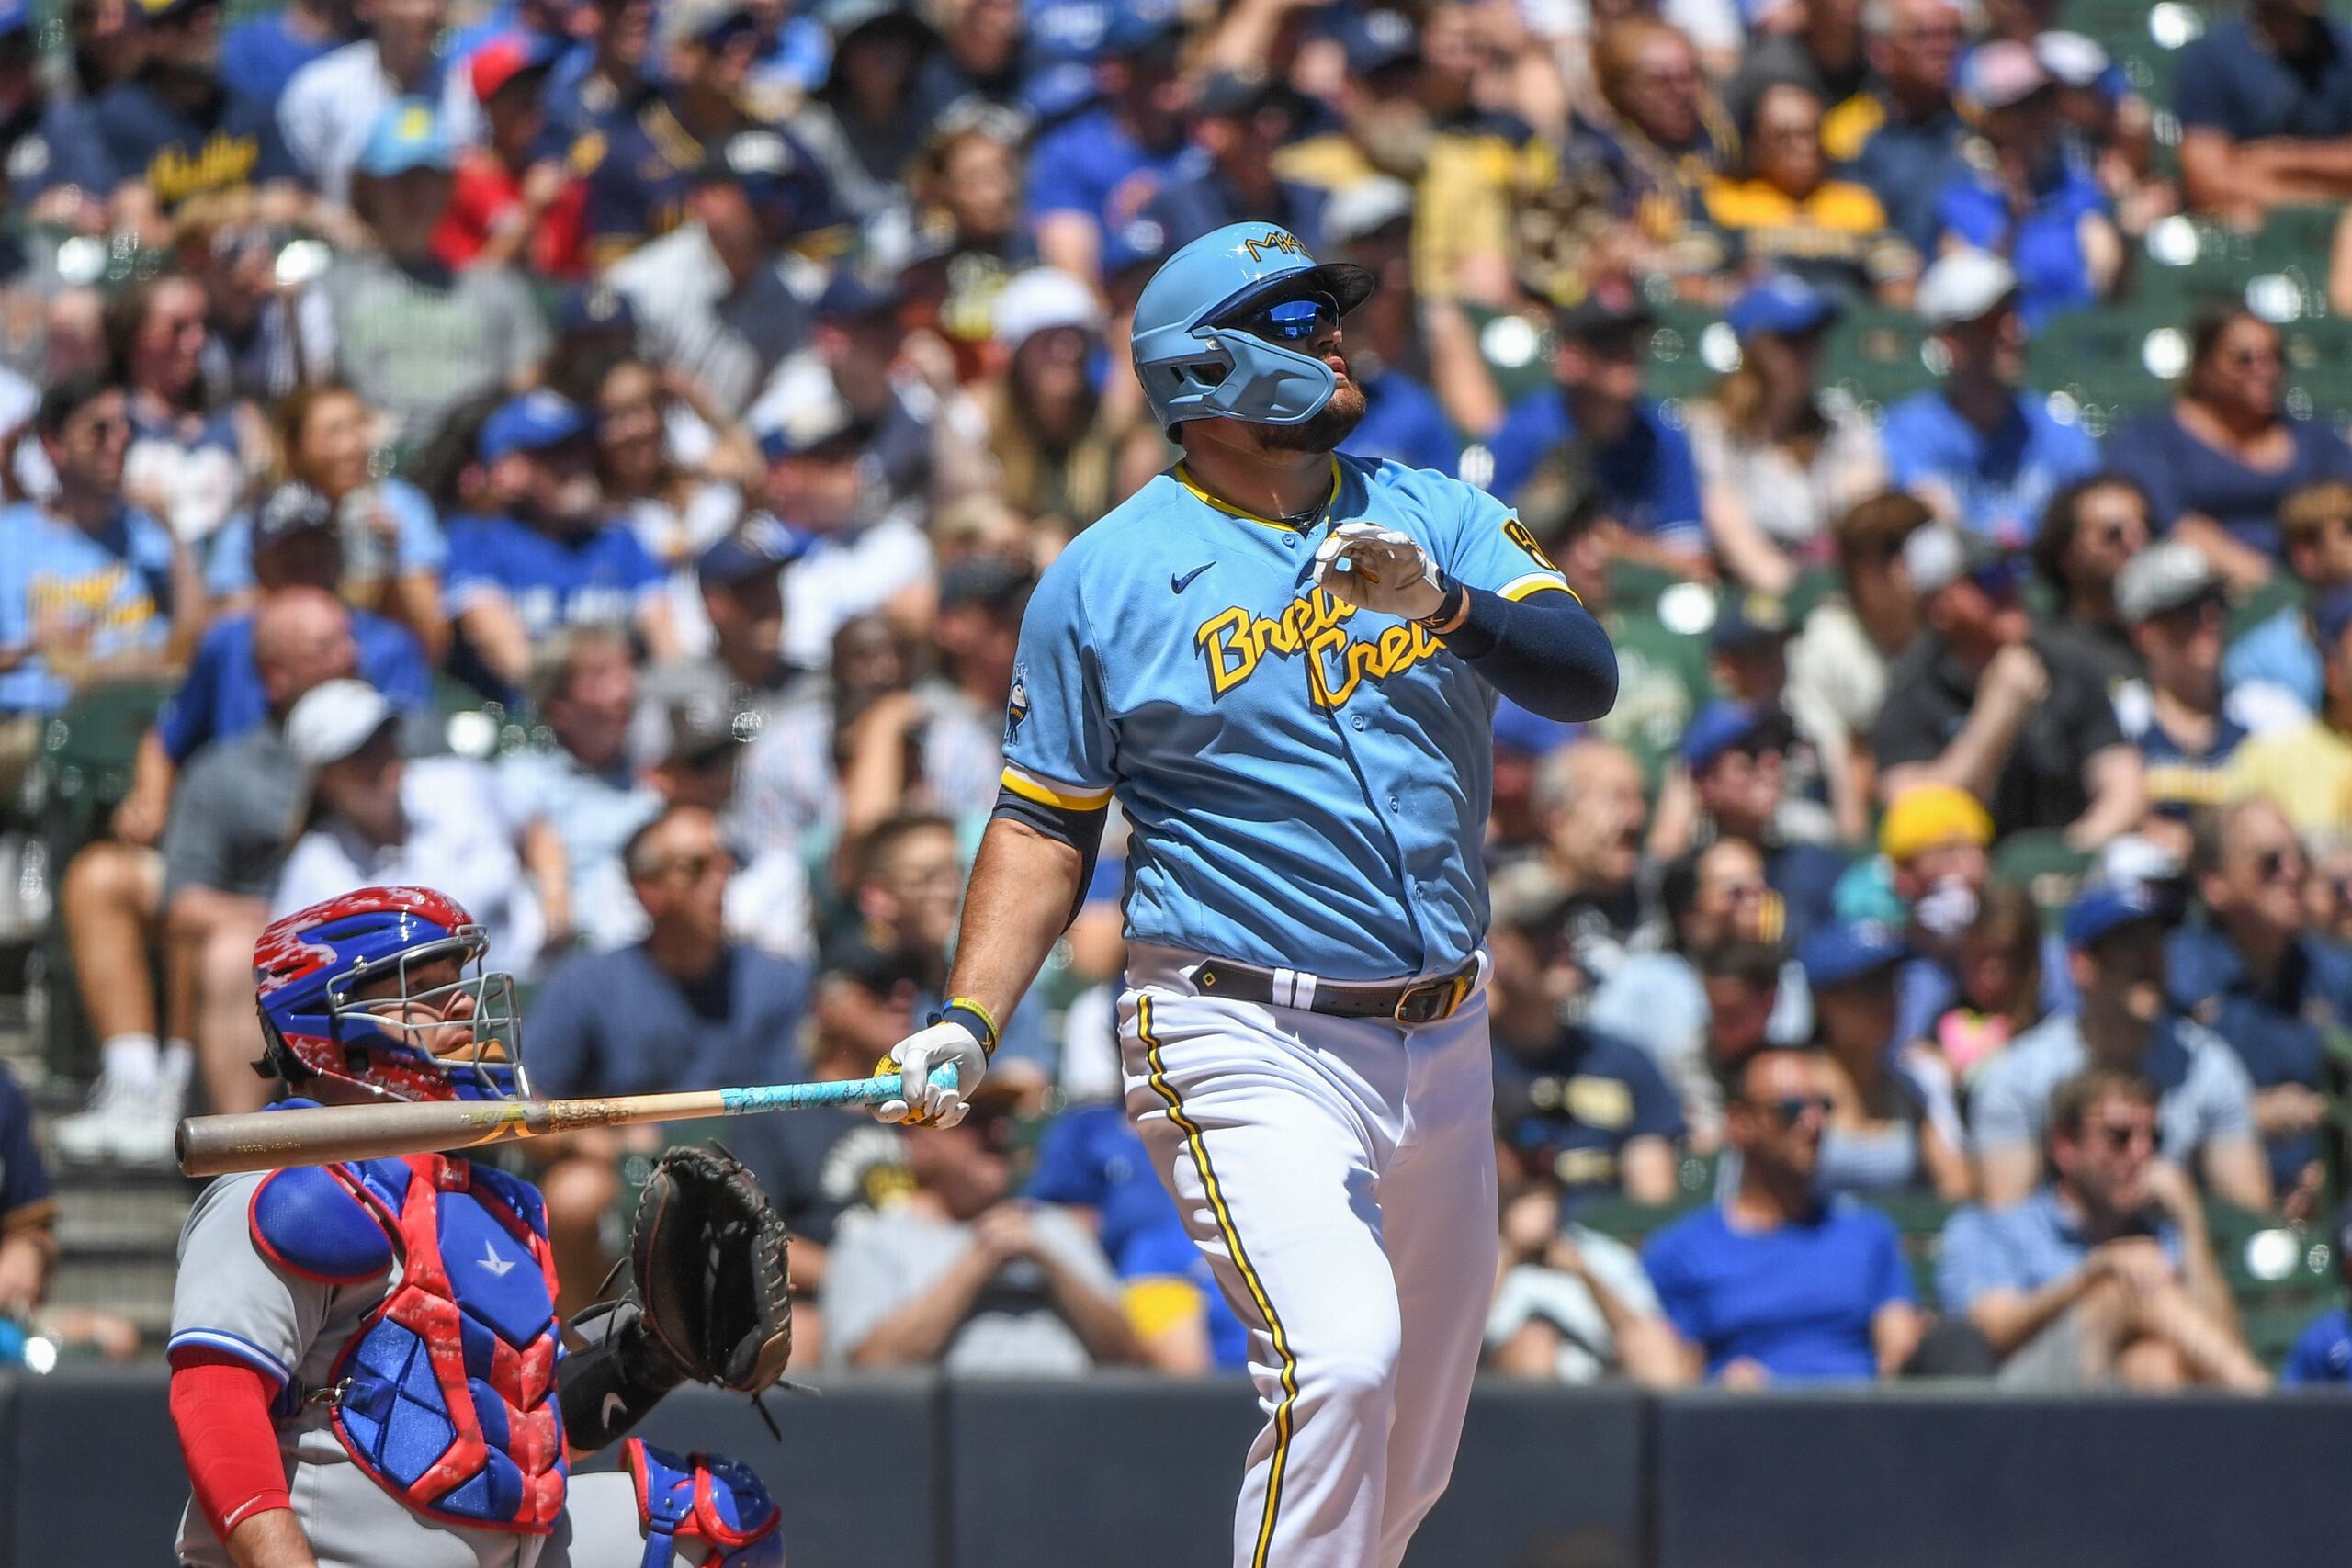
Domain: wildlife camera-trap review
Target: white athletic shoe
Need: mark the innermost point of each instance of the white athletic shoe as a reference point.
(122, 1126)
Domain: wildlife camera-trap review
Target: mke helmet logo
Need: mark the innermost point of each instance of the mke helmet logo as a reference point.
(1275, 240)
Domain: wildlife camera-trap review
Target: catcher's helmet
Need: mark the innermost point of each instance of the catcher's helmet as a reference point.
(457, 1039)
(1191, 357)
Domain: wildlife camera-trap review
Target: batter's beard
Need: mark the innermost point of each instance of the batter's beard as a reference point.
(1333, 423)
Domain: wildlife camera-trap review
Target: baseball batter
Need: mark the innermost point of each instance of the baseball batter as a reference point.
(1282, 663)
(367, 1366)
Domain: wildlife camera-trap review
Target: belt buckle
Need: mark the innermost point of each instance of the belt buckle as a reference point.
(1445, 998)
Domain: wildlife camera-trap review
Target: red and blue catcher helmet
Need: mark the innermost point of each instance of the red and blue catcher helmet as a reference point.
(404, 1039)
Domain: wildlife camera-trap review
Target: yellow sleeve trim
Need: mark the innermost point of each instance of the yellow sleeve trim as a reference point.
(1519, 588)
(1044, 792)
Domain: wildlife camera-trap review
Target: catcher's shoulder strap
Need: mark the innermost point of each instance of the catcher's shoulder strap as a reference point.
(719, 1501)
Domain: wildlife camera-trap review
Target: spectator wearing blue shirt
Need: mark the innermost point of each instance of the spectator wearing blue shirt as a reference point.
(1640, 465)
(683, 1009)
(1227, 175)
(2264, 104)
(2172, 602)
(2104, 1274)
(297, 549)
(2316, 528)
(173, 130)
(2115, 938)
(1982, 449)
(1370, 223)
(90, 588)
(2219, 465)
(1092, 1159)
(1895, 1122)
(2322, 1355)
(2257, 976)
(1097, 170)
(2027, 198)
(47, 141)
(1777, 1285)
(610, 77)
(1737, 757)
(1580, 1108)
(1898, 136)
(261, 54)
(557, 558)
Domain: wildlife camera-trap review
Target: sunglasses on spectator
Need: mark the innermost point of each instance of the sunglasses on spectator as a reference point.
(2120, 1137)
(1790, 1109)
(2249, 358)
(1290, 321)
(695, 867)
(2275, 865)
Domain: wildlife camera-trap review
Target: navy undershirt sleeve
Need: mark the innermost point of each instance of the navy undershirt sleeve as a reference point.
(1544, 652)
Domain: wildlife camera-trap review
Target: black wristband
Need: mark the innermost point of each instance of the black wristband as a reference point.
(1449, 606)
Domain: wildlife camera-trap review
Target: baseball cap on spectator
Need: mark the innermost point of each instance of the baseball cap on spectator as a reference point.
(1839, 955)
(986, 581)
(1148, 28)
(1962, 286)
(1374, 40)
(1783, 305)
(2330, 617)
(1364, 207)
(2098, 912)
(335, 719)
(595, 308)
(1940, 554)
(701, 727)
(532, 422)
(706, 22)
(1529, 733)
(504, 58)
(795, 427)
(760, 543)
(2001, 73)
(1609, 306)
(1723, 726)
(1039, 300)
(1137, 242)
(1929, 816)
(406, 136)
(15, 18)
(289, 509)
(2071, 59)
(155, 11)
(852, 294)
(842, 17)
(1749, 620)
(770, 172)
(1232, 95)
(2166, 576)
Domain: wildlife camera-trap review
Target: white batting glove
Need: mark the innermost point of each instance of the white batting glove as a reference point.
(920, 1102)
(1378, 569)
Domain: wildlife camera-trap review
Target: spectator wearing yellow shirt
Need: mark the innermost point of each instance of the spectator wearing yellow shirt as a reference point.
(1786, 214)
(2308, 770)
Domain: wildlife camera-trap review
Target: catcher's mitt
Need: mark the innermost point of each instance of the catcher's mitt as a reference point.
(707, 1256)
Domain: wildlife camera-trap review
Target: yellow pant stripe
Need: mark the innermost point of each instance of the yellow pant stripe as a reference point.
(1225, 1227)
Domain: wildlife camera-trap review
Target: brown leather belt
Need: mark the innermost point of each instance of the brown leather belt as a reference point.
(1402, 1001)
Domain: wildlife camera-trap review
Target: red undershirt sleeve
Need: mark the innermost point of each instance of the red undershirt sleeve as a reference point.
(220, 1406)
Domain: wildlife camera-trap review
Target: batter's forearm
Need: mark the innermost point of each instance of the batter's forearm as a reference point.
(1543, 652)
(1024, 887)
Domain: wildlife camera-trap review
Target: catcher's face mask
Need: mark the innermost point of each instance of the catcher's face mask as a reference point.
(438, 1002)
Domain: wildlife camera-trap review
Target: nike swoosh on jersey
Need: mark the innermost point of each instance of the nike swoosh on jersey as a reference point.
(1179, 582)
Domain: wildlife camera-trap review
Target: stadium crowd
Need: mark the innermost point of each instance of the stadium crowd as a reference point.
(592, 455)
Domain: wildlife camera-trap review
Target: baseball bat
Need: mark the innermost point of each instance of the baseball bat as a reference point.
(330, 1134)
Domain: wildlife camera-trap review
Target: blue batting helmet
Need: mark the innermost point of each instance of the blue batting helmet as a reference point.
(1191, 354)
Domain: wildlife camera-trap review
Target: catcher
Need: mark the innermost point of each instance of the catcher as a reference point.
(367, 1366)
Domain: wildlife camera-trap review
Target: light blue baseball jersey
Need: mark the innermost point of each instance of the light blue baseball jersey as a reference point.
(116, 584)
(1307, 782)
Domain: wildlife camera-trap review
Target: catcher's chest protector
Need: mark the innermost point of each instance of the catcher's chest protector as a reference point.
(446, 1395)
